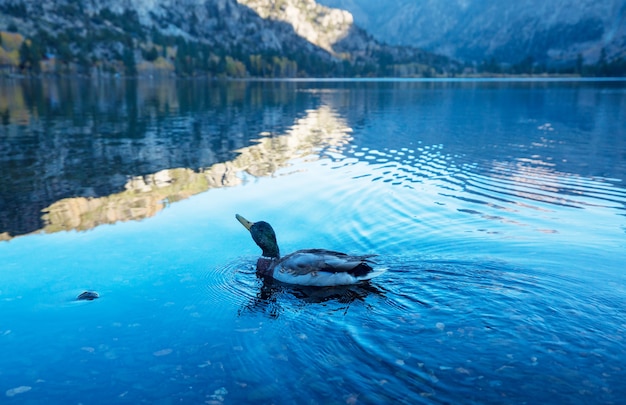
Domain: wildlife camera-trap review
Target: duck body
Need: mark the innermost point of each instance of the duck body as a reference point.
(318, 267)
(313, 267)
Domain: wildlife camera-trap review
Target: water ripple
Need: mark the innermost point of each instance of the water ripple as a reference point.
(476, 312)
(234, 282)
(523, 182)
(414, 189)
(514, 182)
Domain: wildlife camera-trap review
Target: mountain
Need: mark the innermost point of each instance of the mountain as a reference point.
(552, 32)
(236, 38)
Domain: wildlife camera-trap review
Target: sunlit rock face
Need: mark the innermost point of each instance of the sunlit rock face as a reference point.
(546, 30)
(319, 25)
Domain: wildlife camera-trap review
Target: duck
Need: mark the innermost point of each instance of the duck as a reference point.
(311, 267)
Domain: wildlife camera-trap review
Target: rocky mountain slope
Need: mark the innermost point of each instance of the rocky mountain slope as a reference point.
(548, 31)
(236, 38)
(319, 25)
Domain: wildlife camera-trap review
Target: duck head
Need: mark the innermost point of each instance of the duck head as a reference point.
(263, 235)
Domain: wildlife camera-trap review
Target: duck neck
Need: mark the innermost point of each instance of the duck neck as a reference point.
(265, 265)
(271, 252)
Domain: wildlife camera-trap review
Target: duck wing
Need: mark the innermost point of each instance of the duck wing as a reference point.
(310, 261)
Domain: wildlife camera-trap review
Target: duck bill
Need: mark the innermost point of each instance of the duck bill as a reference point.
(247, 224)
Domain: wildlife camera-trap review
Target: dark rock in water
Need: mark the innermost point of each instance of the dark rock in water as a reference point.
(88, 296)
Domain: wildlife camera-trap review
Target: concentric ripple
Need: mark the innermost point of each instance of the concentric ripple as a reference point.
(235, 282)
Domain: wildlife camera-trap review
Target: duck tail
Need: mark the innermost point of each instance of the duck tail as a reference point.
(361, 269)
(375, 272)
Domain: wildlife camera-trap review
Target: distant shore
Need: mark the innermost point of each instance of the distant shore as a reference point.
(475, 77)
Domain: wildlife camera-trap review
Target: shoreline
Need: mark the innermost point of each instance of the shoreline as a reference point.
(456, 78)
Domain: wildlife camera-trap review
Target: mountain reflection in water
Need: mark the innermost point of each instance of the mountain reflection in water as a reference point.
(76, 154)
(145, 195)
(124, 152)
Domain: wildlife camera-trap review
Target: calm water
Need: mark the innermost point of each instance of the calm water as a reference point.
(498, 207)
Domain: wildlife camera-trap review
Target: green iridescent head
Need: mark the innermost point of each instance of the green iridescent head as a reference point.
(263, 235)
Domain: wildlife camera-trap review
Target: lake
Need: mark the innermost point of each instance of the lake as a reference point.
(498, 207)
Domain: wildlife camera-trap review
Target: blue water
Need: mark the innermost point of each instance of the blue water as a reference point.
(497, 206)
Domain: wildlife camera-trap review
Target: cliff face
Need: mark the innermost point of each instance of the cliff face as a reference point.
(188, 37)
(550, 31)
(319, 25)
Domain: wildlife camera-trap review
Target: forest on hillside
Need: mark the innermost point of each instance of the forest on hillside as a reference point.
(118, 44)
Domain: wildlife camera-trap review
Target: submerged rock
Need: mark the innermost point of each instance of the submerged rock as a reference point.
(87, 296)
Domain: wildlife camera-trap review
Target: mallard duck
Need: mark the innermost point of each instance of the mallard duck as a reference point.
(315, 267)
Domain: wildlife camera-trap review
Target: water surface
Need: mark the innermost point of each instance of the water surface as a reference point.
(498, 207)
